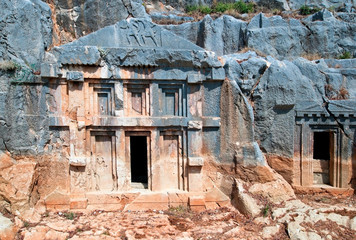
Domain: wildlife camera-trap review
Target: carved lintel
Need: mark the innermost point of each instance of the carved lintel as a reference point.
(75, 76)
(196, 161)
(78, 161)
(195, 125)
(194, 78)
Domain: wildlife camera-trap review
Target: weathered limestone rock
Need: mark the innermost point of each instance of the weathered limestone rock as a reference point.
(74, 19)
(275, 36)
(244, 202)
(275, 191)
(223, 35)
(26, 31)
(296, 4)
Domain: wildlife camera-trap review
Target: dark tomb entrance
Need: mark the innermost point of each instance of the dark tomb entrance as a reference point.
(138, 152)
(321, 156)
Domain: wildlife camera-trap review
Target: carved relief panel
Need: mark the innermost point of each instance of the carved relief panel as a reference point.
(171, 159)
(103, 161)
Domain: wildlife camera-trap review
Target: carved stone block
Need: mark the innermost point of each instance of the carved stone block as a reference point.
(196, 161)
(194, 78)
(78, 161)
(75, 76)
(195, 125)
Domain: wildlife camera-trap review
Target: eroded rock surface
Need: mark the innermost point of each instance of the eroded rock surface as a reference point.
(313, 218)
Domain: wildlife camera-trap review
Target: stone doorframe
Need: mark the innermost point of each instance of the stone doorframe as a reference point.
(303, 155)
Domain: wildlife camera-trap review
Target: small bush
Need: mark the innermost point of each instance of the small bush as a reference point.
(26, 224)
(305, 10)
(345, 55)
(239, 6)
(243, 7)
(69, 215)
(222, 7)
(205, 9)
(265, 211)
(190, 9)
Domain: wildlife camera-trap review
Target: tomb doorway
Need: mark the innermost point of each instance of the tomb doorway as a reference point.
(138, 155)
(323, 152)
(138, 160)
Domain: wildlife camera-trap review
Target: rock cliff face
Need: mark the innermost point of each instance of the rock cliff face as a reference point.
(74, 19)
(320, 35)
(273, 103)
(25, 30)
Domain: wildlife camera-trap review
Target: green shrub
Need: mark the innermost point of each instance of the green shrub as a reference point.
(240, 7)
(69, 215)
(305, 10)
(205, 9)
(223, 7)
(243, 7)
(345, 55)
(190, 9)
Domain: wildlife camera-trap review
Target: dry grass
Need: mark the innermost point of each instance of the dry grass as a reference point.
(343, 93)
(334, 94)
(168, 21)
(259, 53)
(8, 66)
(311, 56)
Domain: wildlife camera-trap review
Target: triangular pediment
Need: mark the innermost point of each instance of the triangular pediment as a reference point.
(309, 106)
(134, 33)
(346, 106)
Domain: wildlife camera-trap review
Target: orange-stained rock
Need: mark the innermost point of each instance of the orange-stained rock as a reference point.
(36, 233)
(56, 235)
(147, 201)
(327, 190)
(178, 199)
(57, 201)
(215, 195)
(275, 191)
(284, 166)
(31, 216)
(197, 203)
(80, 203)
(5, 160)
(57, 198)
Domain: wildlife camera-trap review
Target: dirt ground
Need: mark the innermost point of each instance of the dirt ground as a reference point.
(307, 217)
